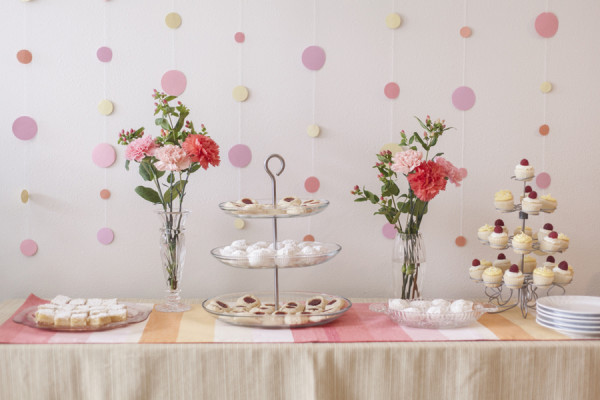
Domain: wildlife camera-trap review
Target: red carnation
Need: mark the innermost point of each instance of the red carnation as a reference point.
(202, 149)
(427, 180)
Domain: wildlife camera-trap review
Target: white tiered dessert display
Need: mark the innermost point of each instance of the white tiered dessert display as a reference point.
(519, 278)
(276, 309)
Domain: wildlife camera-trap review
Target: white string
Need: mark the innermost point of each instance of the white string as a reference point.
(241, 80)
(173, 42)
(105, 90)
(26, 149)
(462, 140)
(314, 107)
(393, 75)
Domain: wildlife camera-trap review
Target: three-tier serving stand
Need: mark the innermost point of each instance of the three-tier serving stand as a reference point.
(526, 296)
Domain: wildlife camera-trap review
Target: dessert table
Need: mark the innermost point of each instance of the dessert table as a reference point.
(362, 355)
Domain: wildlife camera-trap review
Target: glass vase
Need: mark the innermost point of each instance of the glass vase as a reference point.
(172, 254)
(408, 266)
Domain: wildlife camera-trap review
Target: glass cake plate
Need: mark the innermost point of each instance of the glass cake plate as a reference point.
(135, 313)
(283, 261)
(422, 319)
(265, 209)
(277, 321)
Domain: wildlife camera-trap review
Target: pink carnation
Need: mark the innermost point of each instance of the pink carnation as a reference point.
(406, 161)
(140, 148)
(172, 158)
(427, 180)
(454, 175)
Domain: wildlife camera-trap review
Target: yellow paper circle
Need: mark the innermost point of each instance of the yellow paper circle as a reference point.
(393, 147)
(239, 223)
(313, 130)
(173, 20)
(105, 107)
(546, 87)
(240, 93)
(24, 196)
(393, 21)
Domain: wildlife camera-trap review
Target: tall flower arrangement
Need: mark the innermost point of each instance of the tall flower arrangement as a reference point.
(426, 177)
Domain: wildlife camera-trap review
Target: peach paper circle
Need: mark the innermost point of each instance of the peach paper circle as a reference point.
(173, 82)
(312, 184)
(105, 194)
(463, 98)
(389, 231)
(308, 238)
(28, 247)
(465, 32)
(544, 130)
(105, 236)
(543, 180)
(239, 37)
(104, 155)
(313, 58)
(24, 56)
(391, 90)
(546, 24)
(24, 128)
(460, 241)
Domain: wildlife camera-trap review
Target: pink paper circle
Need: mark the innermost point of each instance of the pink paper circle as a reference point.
(28, 247)
(463, 98)
(543, 180)
(313, 58)
(239, 37)
(104, 54)
(463, 172)
(391, 90)
(240, 155)
(105, 236)
(173, 82)
(312, 184)
(24, 128)
(389, 231)
(546, 24)
(104, 155)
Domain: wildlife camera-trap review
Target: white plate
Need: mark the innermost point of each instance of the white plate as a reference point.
(567, 323)
(584, 306)
(575, 333)
(570, 317)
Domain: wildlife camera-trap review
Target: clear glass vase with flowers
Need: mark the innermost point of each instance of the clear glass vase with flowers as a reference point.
(405, 209)
(167, 161)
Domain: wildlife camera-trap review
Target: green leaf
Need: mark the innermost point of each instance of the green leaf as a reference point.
(127, 165)
(165, 125)
(174, 192)
(195, 167)
(148, 194)
(422, 124)
(416, 136)
(170, 98)
(360, 199)
(412, 139)
(182, 115)
(170, 178)
(146, 171)
(437, 155)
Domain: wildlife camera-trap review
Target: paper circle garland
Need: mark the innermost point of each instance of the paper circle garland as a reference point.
(240, 93)
(389, 231)
(239, 223)
(308, 238)
(24, 56)
(28, 247)
(313, 58)
(24, 128)
(240, 155)
(460, 241)
(313, 130)
(391, 90)
(173, 82)
(239, 37)
(105, 235)
(544, 130)
(173, 20)
(105, 107)
(312, 184)
(104, 155)
(463, 98)
(546, 24)
(543, 180)
(393, 147)
(546, 87)
(393, 20)
(24, 196)
(466, 32)
(104, 54)
(105, 194)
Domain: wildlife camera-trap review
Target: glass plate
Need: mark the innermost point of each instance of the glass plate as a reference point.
(135, 313)
(277, 321)
(296, 261)
(435, 321)
(267, 210)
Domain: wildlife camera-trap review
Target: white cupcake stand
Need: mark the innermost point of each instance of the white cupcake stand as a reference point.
(526, 296)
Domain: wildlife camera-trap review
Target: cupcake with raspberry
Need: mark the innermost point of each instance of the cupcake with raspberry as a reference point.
(551, 243)
(499, 222)
(524, 171)
(483, 233)
(564, 241)
(528, 265)
(528, 231)
(531, 204)
(549, 203)
(504, 201)
(502, 263)
(513, 278)
(563, 273)
(492, 277)
(522, 243)
(543, 276)
(550, 262)
(544, 231)
(498, 239)
(476, 270)
(527, 190)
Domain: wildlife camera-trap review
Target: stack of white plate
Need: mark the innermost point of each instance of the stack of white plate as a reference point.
(575, 316)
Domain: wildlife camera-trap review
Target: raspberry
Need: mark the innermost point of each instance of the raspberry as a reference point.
(563, 265)
(499, 222)
(524, 162)
(548, 227)
(550, 259)
(476, 262)
(498, 229)
(553, 235)
(514, 268)
(533, 195)
(501, 256)
(528, 189)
